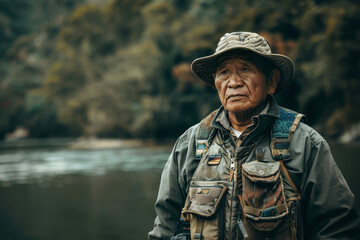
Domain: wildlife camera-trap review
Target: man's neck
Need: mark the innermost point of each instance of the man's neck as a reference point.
(241, 120)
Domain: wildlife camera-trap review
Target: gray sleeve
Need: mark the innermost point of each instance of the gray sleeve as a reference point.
(172, 190)
(330, 211)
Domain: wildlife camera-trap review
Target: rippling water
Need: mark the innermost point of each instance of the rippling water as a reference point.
(26, 164)
(48, 191)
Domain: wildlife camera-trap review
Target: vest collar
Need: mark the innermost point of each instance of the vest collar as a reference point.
(261, 121)
(221, 120)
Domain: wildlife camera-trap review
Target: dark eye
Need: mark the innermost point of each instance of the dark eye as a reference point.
(224, 72)
(245, 69)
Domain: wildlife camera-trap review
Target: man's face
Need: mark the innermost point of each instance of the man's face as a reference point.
(241, 85)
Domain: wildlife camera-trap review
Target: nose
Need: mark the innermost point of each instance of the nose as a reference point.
(235, 81)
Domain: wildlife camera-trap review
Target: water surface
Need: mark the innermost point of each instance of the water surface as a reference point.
(48, 191)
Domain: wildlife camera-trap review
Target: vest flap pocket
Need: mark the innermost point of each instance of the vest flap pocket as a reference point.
(204, 199)
(266, 172)
(263, 200)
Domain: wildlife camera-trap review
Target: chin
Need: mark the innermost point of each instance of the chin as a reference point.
(237, 109)
(241, 106)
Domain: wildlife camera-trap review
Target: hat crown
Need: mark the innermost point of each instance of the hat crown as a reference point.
(249, 40)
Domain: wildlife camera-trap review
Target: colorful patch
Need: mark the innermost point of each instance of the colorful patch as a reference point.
(204, 191)
(214, 159)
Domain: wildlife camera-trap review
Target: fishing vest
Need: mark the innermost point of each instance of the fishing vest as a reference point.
(244, 192)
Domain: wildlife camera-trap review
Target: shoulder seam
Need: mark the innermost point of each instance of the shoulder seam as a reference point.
(309, 130)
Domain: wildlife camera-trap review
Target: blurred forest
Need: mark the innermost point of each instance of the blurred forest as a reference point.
(121, 68)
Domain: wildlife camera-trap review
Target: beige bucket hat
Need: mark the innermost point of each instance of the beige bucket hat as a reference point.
(204, 67)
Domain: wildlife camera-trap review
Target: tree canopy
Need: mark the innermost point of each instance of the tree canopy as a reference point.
(122, 68)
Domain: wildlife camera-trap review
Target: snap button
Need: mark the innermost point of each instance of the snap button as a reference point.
(261, 172)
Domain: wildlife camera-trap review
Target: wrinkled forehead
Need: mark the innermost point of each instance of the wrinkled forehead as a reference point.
(238, 56)
(232, 60)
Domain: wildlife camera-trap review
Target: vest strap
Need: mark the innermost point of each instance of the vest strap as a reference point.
(199, 227)
(204, 133)
(283, 132)
(201, 147)
(260, 154)
(296, 122)
(265, 212)
(287, 176)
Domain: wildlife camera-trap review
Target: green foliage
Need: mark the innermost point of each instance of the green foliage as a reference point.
(125, 19)
(28, 31)
(122, 68)
(64, 79)
(86, 33)
(42, 116)
(10, 25)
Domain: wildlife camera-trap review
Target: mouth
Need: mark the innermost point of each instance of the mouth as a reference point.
(236, 96)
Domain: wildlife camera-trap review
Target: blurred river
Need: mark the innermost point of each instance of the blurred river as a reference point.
(48, 191)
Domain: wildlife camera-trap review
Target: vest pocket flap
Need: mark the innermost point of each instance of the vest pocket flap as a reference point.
(262, 171)
(203, 200)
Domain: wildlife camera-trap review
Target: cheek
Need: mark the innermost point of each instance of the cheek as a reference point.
(258, 88)
(220, 87)
(217, 82)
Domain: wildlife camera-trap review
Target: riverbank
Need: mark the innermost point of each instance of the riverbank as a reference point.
(82, 143)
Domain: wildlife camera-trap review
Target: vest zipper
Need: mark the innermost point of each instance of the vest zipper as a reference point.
(231, 179)
(232, 170)
(242, 227)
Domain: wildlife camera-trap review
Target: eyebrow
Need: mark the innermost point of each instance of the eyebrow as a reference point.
(223, 63)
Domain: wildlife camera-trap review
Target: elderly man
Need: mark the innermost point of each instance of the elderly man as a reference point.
(252, 169)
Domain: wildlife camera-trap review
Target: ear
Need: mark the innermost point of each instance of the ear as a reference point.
(274, 81)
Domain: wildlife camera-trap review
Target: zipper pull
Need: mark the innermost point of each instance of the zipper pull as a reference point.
(232, 168)
(242, 227)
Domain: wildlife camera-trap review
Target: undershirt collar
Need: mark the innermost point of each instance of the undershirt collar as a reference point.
(235, 132)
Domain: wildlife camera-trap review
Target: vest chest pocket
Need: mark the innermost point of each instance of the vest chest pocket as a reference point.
(204, 208)
(263, 199)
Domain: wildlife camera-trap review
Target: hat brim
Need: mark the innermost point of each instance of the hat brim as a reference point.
(205, 67)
